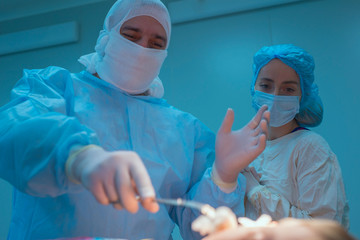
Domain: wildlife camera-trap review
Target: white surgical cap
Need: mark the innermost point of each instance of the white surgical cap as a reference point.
(120, 12)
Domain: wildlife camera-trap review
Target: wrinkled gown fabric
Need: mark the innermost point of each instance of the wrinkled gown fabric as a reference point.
(301, 178)
(53, 110)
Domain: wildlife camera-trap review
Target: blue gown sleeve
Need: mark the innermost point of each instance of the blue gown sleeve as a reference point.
(202, 189)
(37, 132)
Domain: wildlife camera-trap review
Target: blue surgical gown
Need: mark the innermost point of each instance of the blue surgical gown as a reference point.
(53, 110)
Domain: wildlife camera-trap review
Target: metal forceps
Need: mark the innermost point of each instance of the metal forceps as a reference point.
(205, 209)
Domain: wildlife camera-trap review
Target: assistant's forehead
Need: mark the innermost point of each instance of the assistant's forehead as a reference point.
(277, 65)
(280, 70)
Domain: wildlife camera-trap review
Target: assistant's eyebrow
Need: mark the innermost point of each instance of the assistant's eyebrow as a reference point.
(267, 79)
(285, 82)
(291, 82)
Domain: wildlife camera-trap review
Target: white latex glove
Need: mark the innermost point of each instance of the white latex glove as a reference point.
(235, 150)
(114, 178)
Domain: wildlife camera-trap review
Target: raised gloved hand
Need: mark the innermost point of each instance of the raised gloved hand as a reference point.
(235, 150)
(113, 177)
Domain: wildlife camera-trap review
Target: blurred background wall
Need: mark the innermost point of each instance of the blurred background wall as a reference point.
(208, 67)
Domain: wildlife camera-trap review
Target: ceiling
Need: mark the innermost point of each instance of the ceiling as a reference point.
(180, 10)
(192, 10)
(12, 9)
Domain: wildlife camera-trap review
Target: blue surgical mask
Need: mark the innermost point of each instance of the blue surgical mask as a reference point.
(282, 108)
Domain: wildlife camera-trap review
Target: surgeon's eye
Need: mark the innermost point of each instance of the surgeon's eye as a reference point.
(157, 42)
(157, 45)
(129, 36)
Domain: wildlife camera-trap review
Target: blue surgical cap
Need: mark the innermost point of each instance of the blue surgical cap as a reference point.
(311, 107)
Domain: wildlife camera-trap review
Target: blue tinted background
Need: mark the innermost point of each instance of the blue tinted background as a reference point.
(208, 68)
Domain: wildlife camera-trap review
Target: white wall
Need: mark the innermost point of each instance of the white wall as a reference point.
(209, 68)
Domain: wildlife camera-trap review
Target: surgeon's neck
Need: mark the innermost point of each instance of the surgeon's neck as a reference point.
(146, 93)
(277, 132)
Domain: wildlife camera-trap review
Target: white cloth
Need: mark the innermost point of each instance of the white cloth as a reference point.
(301, 178)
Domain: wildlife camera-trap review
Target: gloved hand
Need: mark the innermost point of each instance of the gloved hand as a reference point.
(113, 177)
(235, 150)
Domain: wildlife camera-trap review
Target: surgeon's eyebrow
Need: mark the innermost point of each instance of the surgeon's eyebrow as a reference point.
(131, 28)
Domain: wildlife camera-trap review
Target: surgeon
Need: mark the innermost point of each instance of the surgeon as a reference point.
(84, 149)
(297, 175)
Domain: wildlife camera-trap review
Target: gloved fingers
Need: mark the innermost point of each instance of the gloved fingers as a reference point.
(144, 186)
(256, 132)
(264, 127)
(125, 191)
(261, 129)
(99, 193)
(266, 116)
(115, 200)
(255, 121)
(261, 144)
(110, 189)
(150, 204)
(146, 201)
(118, 206)
(227, 122)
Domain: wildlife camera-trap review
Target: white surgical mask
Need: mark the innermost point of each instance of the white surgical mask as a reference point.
(128, 65)
(282, 108)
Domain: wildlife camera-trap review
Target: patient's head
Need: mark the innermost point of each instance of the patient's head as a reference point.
(287, 229)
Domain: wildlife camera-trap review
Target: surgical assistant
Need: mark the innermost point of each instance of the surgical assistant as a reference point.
(73, 143)
(297, 175)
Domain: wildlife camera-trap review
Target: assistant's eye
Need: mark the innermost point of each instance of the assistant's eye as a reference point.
(264, 86)
(289, 90)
